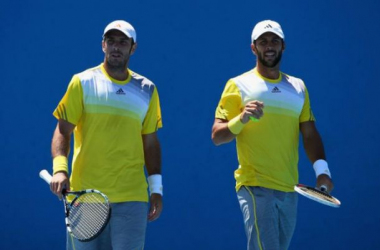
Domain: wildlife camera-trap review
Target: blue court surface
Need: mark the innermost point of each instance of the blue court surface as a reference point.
(190, 49)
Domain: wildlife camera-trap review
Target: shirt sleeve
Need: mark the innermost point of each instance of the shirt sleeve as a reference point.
(153, 120)
(70, 107)
(230, 104)
(306, 113)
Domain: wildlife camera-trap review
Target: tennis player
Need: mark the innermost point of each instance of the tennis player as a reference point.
(114, 114)
(265, 109)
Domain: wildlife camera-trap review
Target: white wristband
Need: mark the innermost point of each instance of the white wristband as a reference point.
(321, 167)
(155, 184)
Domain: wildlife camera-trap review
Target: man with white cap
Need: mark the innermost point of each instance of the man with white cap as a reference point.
(264, 110)
(114, 114)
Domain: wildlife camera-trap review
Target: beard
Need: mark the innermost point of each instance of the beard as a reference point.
(116, 65)
(270, 64)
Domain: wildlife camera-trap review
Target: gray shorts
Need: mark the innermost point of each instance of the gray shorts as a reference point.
(125, 230)
(269, 217)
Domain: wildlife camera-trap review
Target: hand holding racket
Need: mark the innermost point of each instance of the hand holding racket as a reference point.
(87, 211)
(59, 182)
(318, 195)
(325, 183)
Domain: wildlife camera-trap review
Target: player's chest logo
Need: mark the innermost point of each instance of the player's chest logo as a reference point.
(276, 90)
(120, 92)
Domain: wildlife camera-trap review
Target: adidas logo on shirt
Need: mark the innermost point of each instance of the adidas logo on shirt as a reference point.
(276, 90)
(120, 92)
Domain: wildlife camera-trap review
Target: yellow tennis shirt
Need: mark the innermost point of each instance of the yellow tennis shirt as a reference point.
(268, 149)
(110, 118)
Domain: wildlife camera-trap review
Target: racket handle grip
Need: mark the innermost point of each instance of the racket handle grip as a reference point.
(323, 188)
(44, 174)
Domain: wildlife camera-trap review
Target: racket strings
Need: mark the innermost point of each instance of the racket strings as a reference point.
(87, 215)
(319, 194)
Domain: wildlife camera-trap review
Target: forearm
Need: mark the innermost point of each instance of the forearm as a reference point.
(60, 145)
(152, 155)
(315, 151)
(312, 141)
(313, 146)
(224, 131)
(221, 134)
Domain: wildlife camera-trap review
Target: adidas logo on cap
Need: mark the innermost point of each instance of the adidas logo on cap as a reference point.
(268, 26)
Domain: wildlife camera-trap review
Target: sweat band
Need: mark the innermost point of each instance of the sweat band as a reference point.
(60, 164)
(321, 167)
(155, 184)
(235, 125)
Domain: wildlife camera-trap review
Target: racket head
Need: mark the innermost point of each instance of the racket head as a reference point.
(317, 195)
(87, 214)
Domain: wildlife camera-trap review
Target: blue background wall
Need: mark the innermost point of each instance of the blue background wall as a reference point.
(190, 49)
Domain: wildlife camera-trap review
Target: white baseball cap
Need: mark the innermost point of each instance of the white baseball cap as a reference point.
(122, 26)
(266, 26)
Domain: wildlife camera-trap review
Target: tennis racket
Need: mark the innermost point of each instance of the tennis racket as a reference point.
(87, 212)
(318, 195)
